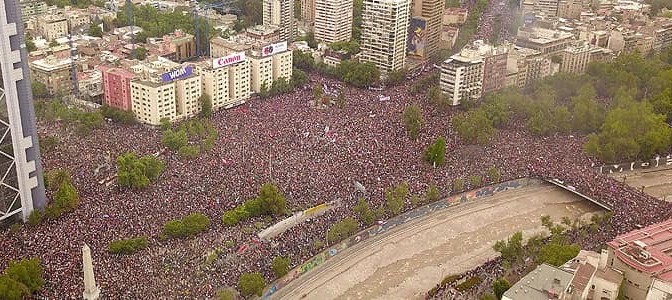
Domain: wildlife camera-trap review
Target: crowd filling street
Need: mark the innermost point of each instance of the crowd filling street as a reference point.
(312, 154)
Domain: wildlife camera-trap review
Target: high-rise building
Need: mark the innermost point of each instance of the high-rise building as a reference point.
(333, 20)
(153, 100)
(429, 37)
(22, 186)
(281, 14)
(384, 33)
(308, 12)
(226, 80)
(266, 67)
(575, 58)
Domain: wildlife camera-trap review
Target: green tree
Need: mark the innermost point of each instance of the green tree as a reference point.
(140, 53)
(153, 166)
(556, 253)
(95, 31)
(396, 77)
(251, 284)
(187, 226)
(303, 61)
(475, 181)
(435, 154)
(11, 289)
(413, 120)
(318, 93)
(437, 98)
(340, 101)
(432, 194)
(127, 246)
(474, 127)
(272, 200)
(396, 197)
(27, 272)
(206, 105)
(134, 172)
(587, 115)
(341, 230)
(39, 89)
(174, 140)
(486, 296)
(494, 174)
(189, 151)
(53, 43)
(299, 78)
(226, 294)
(360, 74)
(30, 46)
(512, 249)
(458, 184)
(365, 214)
(280, 266)
(500, 286)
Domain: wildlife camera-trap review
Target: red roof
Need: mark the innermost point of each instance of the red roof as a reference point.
(648, 249)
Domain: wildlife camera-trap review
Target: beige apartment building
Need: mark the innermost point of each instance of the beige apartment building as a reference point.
(432, 13)
(547, 41)
(52, 27)
(52, 72)
(333, 20)
(188, 94)
(31, 8)
(227, 84)
(662, 36)
(308, 12)
(462, 77)
(153, 100)
(575, 58)
(525, 66)
(384, 33)
(547, 8)
(281, 14)
(266, 69)
(570, 9)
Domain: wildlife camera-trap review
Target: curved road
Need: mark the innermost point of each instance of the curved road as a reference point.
(409, 260)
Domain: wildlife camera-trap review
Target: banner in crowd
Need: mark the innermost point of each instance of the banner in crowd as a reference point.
(659, 161)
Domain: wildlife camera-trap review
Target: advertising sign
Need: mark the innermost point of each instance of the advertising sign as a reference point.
(274, 48)
(417, 37)
(228, 60)
(177, 74)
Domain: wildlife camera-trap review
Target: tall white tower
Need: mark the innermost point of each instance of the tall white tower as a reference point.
(21, 183)
(281, 13)
(384, 33)
(333, 20)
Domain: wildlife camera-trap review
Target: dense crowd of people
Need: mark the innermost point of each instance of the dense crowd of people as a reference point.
(313, 154)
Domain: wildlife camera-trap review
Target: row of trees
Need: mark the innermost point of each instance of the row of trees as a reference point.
(349, 71)
(282, 86)
(57, 110)
(191, 137)
(187, 226)
(270, 201)
(21, 279)
(65, 199)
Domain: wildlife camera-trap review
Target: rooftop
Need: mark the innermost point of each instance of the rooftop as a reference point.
(544, 283)
(542, 35)
(51, 63)
(647, 250)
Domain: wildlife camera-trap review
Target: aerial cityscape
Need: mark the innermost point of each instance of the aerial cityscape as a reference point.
(336, 149)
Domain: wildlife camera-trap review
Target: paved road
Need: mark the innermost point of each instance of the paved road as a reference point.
(409, 260)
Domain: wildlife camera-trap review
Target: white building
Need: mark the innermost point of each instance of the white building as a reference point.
(226, 80)
(281, 14)
(333, 20)
(267, 66)
(384, 33)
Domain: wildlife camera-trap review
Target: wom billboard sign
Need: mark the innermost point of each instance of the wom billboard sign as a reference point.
(274, 48)
(177, 74)
(228, 60)
(659, 161)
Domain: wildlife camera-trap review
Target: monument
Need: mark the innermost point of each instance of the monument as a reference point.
(91, 291)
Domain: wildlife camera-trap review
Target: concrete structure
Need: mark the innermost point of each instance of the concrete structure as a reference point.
(462, 77)
(544, 7)
(454, 16)
(384, 33)
(91, 290)
(570, 9)
(52, 26)
(663, 37)
(52, 72)
(117, 87)
(643, 255)
(660, 290)
(547, 41)
(308, 12)
(181, 44)
(575, 58)
(31, 8)
(187, 97)
(593, 279)
(333, 20)
(525, 66)
(22, 185)
(281, 14)
(266, 69)
(432, 12)
(479, 68)
(263, 33)
(543, 283)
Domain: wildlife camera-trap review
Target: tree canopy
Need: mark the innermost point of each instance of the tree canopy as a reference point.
(137, 172)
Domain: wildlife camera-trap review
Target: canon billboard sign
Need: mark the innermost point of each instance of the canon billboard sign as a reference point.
(274, 48)
(228, 60)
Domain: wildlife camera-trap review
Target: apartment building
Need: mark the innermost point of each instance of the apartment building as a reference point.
(263, 33)
(525, 66)
(226, 80)
(52, 72)
(384, 33)
(494, 66)
(570, 9)
(547, 41)
(31, 8)
(188, 93)
(308, 12)
(333, 20)
(575, 58)
(462, 77)
(662, 37)
(431, 12)
(153, 100)
(220, 47)
(268, 65)
(52, 27)
(181, 45)
(547, 8)
(117, 87)
(281, 14)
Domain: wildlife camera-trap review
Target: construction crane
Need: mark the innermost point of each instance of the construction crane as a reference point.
(131, 24)
(73, 68)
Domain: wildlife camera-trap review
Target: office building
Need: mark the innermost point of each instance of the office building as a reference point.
(429, 12)
(384, 33)
(525, 66)
(548, 8)
(117, 87)
(263, 33)
(570, 9)
(52, 27)
(31, 8)
(643, 255)
(333, 20)
(575, 58)
(54, 73)
(20, 160)
(462, 77)
(281, 14)
(659, 290)
(547, 41)
(494, 66)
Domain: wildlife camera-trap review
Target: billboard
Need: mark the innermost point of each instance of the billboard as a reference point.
(417, 36)
(228, 60)
(274, 48)
(177, 74)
